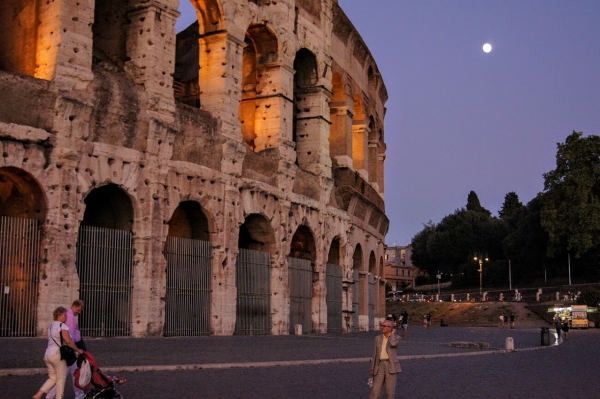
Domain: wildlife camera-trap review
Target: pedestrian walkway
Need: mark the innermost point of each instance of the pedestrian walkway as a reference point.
(23, 356)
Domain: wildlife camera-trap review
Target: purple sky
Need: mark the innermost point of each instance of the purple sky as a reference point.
(459, 119)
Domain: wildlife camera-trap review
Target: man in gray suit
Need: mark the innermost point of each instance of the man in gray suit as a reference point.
(385, 364)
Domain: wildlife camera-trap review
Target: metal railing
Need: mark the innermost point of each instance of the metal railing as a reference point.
(253, 281)
(188, 288)
(19, 276)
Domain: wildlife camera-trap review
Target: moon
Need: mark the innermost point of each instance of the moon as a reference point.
(487, 48)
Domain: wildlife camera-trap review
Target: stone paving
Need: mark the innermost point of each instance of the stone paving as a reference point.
(328, 366)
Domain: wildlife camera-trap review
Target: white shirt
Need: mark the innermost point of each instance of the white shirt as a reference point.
(54, 332)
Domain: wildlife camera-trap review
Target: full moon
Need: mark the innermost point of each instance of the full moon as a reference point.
(487, 48)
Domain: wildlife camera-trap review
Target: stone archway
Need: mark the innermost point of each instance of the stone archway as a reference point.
(189, 269)
(372, 289)
(358, 296)
(256, 245)
(301, 267)
(22, 213)
(105, 262)
(334, 297)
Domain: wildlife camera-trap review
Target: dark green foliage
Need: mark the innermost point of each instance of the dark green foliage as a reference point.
(571, 199)
(590, 297)
(511, 206)
(473, 204)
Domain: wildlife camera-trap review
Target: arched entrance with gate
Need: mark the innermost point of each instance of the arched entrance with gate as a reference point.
(256, 244)
(334, 275)
(189, 269)
(22, 213)
(104, 263)
(372, 290)
(301, 266)
(357, 292)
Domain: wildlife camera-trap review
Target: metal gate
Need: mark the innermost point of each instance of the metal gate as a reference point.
(253, 280)
(19, 276)
(355, 300)
(371, 302)
(334, 298)
(187, 299)
(300, 283)
(104, 265)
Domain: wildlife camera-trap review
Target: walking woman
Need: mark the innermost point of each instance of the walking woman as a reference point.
(57, 368)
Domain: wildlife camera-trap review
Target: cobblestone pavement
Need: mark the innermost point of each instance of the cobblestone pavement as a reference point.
(431, 369)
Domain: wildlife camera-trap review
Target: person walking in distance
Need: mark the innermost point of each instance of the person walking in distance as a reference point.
(72, 313)
(385, 364)
(404, 323)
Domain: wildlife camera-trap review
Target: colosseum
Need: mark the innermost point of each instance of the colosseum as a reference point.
(226, 179)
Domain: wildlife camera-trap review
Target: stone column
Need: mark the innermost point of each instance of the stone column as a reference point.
(221, 56)
(360, 134)
(151, 50)
(64, 44)
(312, 130)
(340, 136)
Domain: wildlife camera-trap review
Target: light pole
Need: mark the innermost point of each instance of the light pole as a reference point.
(480, 259)
(439, 276)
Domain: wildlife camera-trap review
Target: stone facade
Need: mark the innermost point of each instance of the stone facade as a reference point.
(259, 127)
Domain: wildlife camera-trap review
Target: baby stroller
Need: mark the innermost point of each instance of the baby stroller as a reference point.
(100, 385)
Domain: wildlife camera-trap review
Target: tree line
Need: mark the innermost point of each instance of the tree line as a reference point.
(536, 241)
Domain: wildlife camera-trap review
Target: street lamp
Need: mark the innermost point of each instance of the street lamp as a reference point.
(480, 259)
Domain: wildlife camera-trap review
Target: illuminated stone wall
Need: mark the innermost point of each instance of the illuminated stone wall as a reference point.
(270, 109)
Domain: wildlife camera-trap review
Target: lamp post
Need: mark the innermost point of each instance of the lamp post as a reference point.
(439, 276)
(480, 259)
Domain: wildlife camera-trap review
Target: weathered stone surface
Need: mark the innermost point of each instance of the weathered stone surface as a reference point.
(259, 127)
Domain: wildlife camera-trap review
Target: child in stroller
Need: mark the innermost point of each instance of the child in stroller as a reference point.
(101, 385)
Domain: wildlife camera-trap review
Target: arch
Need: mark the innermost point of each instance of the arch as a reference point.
(262, 48)
(257, 234)
(188, 272)
(22, 210)
(372, 263)
(105, 262)
(256, 244)
(334, 255)
(189, 221)
(357, 258)
(303, 244)
(108, 207)
(110, 32)
(210, 16)
(305, 79)
(21, 195)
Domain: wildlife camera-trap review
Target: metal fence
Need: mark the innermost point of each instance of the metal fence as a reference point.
(334, 297)
(19, 276)
(300, 283)
(371, 302)
(355, 300)
(253, 280)
(188, 289)
(104, 265)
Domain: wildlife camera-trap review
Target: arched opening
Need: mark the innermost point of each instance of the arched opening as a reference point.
(186, 86)
(372, 81)
(334, 297)
(341, 112)
(189, 269)
(359, 135)
(261, 50)
(301, 267)
(19, 21)
(357, 287)
(22, 213)
(305, 79)
(372, 289)
(110, 33)
(105, 262)
(256, 243)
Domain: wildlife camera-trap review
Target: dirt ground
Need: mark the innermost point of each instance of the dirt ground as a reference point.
(467, 314)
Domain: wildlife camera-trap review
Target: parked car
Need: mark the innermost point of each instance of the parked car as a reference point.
(394, 295)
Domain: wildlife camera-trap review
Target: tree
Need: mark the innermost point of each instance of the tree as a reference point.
(511, 206)
(571, 199)
(473, 204)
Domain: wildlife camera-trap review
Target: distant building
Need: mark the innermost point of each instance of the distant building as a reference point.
(399, 271)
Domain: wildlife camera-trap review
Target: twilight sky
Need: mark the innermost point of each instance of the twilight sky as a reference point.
(459, 119)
